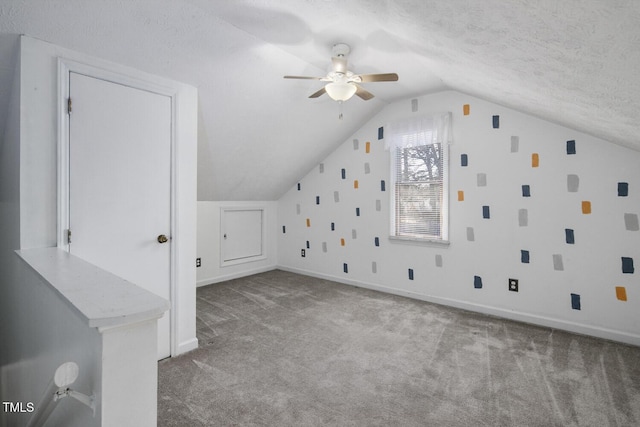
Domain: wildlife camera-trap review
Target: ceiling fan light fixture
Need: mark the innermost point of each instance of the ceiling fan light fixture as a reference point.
(340, 91)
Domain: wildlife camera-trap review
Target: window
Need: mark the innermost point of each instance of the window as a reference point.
(419, 174)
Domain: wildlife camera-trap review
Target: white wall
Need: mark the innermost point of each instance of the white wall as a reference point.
(592, 264)
(210, 237)
(39, 159)
(38, 331)
(46, 334)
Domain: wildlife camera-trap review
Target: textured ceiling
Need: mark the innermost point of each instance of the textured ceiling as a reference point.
(573, 62)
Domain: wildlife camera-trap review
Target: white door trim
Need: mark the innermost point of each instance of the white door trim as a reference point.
(127, 78)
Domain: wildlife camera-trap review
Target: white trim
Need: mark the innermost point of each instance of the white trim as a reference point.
(244, 273)
(263, 231)
(127, 77)
(188, 345)
(549, 322)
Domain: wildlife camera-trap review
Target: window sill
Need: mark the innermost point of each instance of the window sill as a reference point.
(418, 241)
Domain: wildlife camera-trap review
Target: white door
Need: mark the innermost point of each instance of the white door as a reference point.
(120, 184)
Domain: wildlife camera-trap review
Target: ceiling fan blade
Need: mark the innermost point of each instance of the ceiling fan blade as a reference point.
(387, 77)
(339, 64)
(304, 77)
(362, 93)
(318, 93)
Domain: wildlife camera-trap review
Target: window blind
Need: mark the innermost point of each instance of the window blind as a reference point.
(419, 148)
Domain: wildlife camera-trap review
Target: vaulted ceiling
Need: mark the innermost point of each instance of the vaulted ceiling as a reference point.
(573, 62)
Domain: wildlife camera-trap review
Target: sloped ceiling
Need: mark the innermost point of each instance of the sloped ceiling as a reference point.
(573, 62)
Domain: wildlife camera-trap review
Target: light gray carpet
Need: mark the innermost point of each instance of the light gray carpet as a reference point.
(280, 349)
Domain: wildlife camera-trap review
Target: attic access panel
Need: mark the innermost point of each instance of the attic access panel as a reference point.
(241, 235)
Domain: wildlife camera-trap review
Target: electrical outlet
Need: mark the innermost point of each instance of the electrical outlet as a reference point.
(198, 262)
(303, 253)
(513, 285)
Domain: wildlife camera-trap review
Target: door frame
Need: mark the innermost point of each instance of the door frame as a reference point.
(147, 83)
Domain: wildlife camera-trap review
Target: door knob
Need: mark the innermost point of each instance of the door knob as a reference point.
(162, 239)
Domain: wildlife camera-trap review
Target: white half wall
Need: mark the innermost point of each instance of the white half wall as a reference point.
(210, 239)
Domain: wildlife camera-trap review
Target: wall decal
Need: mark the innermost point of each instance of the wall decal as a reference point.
(380, 132)
(631, 222)
(523, 217)
(623, 189)
(345, 267)
(573, 183)
(569, 237)
(317, 200)
(411, 274)
(355, 184)
(575, 302)
(298, 186)
(466, 109)
(593, 243)
(515, 144)
(586, 207)
(535, 160)
(308, 245)
(496, 122)
(557, 262)
(470, 234)
(308, 222)
(477, 282)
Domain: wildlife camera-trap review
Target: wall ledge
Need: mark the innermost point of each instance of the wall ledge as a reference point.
(82, 286)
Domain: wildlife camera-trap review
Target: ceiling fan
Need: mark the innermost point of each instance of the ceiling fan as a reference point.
(342, 83)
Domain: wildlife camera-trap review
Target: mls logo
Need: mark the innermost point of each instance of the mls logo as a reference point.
(17, 406)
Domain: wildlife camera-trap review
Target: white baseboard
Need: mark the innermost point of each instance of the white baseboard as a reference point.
(186, 346)
(244, 273)
(578, 328)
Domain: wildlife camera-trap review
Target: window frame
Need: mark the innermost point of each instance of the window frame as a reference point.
(427, 239)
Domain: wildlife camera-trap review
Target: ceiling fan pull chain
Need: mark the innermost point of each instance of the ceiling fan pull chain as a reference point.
(340, 110)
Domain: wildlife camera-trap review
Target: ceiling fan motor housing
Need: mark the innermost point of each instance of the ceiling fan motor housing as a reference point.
(341, 50)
